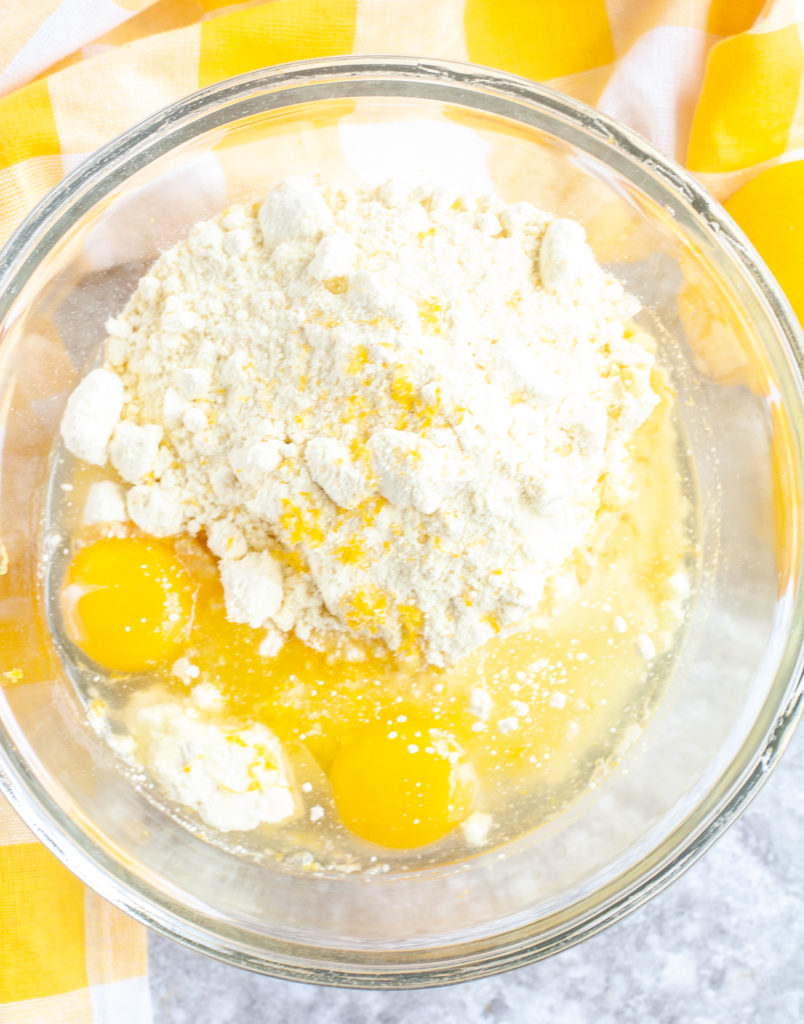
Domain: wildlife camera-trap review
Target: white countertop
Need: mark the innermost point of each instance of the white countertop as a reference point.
(723, 945)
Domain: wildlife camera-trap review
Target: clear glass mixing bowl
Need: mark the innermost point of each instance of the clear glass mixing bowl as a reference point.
(733, 348)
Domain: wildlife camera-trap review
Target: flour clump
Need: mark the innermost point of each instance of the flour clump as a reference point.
(394, 419)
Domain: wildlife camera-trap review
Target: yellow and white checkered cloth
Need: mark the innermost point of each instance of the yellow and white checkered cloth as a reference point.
(716, 84)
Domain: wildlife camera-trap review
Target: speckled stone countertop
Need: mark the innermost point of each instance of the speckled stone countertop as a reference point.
(723, 945)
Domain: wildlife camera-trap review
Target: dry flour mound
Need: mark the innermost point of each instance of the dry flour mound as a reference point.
(395, 415)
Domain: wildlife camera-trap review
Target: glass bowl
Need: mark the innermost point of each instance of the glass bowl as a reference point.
(733, 349)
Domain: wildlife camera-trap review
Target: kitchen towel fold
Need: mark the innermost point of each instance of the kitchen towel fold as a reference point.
(715, 84)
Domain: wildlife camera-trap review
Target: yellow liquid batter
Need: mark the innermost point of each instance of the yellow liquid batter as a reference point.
(564, 695)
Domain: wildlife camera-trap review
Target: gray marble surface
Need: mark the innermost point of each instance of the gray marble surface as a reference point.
(723, 945)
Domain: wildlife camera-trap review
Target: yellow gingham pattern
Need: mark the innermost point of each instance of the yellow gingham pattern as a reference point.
(66, 956)
(716, 84)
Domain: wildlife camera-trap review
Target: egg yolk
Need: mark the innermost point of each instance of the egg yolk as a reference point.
(127, 602)
(402, 785)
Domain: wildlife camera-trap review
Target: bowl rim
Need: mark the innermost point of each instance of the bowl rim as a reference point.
(507, 950)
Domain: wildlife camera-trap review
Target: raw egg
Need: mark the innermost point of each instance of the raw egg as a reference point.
(402, 785)
(127, 603)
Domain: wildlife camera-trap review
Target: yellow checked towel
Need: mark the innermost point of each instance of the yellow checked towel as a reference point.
(716, 84)
(66, 955)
